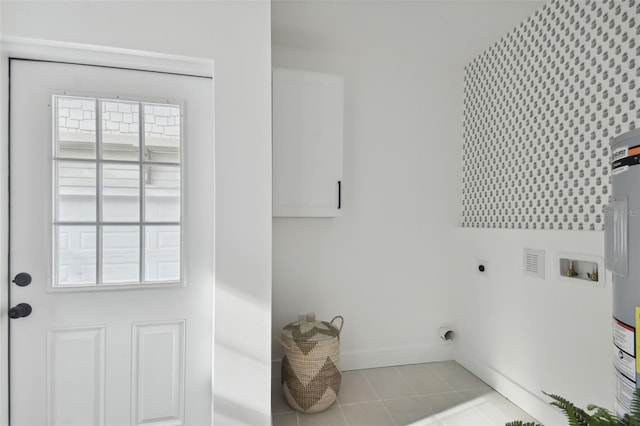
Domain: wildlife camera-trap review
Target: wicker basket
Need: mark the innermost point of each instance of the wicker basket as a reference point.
(311, 365)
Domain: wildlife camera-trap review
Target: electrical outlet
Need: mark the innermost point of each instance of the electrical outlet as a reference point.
(482, 267)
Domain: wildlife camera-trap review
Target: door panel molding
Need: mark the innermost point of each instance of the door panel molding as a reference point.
(158, 399)
(63, 376)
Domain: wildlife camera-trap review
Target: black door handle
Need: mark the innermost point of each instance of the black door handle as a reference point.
(339, 194)
(23, 279)
(20, 311)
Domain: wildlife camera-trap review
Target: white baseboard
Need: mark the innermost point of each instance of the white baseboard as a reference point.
(356, 360)
(529, 401)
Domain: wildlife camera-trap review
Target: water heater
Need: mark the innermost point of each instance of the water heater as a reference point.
(622, 258)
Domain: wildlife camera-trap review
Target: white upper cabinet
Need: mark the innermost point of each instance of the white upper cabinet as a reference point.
(307, 143)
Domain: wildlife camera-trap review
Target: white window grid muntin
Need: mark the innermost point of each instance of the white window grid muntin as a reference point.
(98, 161)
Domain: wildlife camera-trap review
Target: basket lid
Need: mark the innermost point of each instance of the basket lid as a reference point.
(309, 329)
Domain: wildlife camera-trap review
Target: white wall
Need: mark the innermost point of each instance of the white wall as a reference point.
(523, 335)
(519, 334)
(386, 263)
(236, 35)
(395, 264)
(369, 265)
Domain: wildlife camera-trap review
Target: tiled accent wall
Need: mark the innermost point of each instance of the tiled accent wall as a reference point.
(540, 108)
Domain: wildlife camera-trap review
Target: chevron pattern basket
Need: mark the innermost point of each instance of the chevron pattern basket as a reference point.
(311, 365)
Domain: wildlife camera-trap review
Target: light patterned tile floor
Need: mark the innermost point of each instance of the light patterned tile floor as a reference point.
(438, 393)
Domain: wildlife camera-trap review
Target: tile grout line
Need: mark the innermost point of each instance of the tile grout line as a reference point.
(455, 389)
(458, 391)
(396, 370)
(344, 417)
(395, 399)
(371, 386)
(435, 373)
(441, 378)
(420, 397)
(491, 422)
(379, 398)
(406, 382)
(343, 404)
(491, 390)
(389, 413)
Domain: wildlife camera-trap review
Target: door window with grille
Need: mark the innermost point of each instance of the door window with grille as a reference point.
(117, 192)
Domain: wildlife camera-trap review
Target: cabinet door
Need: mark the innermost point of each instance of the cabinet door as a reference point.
(307, 143)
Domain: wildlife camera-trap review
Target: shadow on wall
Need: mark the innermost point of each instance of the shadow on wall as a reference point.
(242, 330)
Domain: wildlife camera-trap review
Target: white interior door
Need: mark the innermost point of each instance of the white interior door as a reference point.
(111, 215)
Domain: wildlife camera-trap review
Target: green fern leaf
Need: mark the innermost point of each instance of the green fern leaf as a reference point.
(634, 416)
(576, 416)
(604, 417)
(599, 416)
